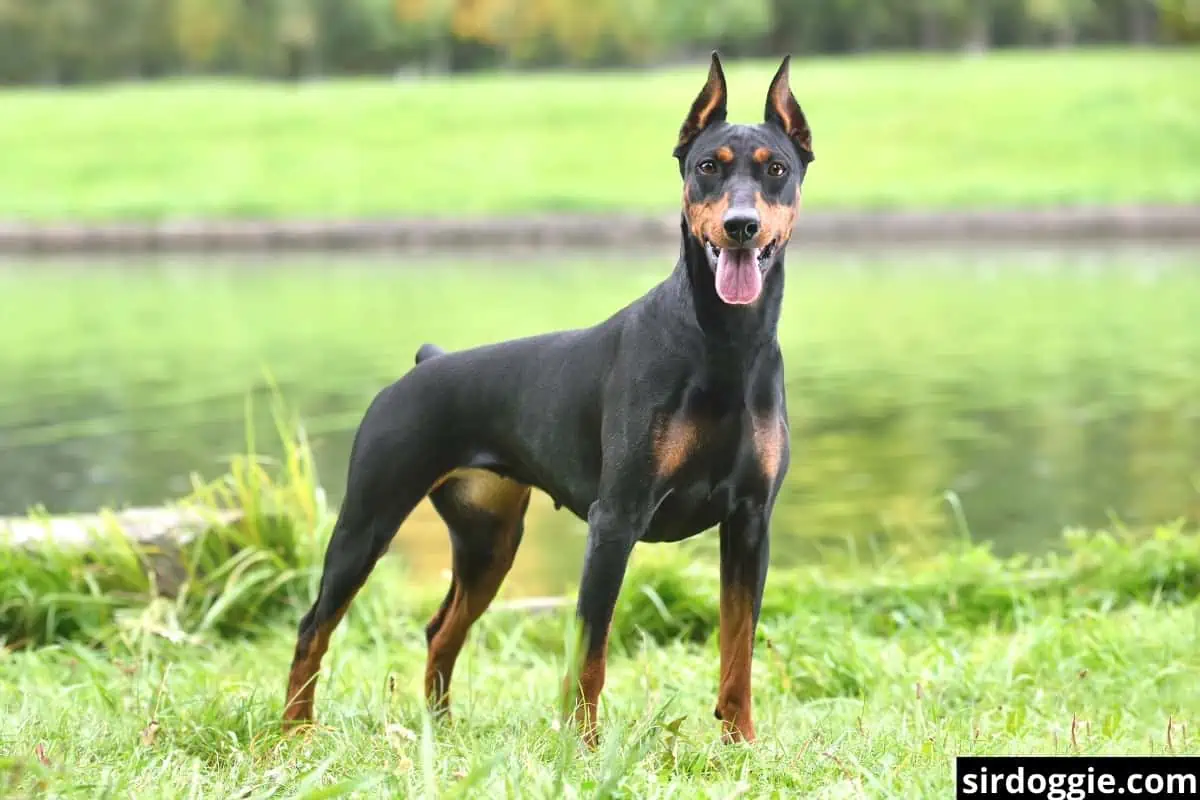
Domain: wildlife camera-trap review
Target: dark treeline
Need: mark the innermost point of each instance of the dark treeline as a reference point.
(74, 41)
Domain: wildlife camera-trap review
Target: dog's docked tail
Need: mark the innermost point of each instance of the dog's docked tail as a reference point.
(427, 350)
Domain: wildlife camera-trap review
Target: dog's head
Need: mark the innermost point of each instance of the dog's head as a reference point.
(741, 183)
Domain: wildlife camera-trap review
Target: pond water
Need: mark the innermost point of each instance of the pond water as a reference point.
(1003, 396)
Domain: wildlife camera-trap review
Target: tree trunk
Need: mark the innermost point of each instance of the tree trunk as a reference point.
(1141, 21)
(780, 37)
(930, 28)
(1066, 34)
(979, 29)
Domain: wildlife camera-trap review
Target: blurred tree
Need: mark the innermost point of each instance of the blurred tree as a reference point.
(81, 40)
(296, 29)
(936, 20)
(1140, 19)
(21, 58)
(711, 24)
(426, 26)
(157, 51)
(979, 26)
(1064, 17)
(200, 27)
(1180, 20)
(869, 22)
(63, 32)
(356, 37)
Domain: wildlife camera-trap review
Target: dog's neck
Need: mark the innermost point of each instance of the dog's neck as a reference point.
(730, 332)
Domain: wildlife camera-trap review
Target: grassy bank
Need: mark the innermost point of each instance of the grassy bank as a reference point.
(856, 694)
(201, 721)
(1011, 129)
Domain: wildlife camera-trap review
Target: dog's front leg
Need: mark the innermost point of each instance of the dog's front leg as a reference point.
(611, 537)
(745, 549)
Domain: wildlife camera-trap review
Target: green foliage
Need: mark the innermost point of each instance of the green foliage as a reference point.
(70, 41)
(1180, 20)
(957, 588)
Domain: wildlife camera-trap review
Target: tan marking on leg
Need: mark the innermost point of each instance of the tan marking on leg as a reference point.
(483, 488)
(306, 664)
(769, 441)
(736, 642)
(674, 441)
(444, 648)
(439, 616)
(762, 155)
(507, 501)
(586, 693)
(487, 490)
(455, 474)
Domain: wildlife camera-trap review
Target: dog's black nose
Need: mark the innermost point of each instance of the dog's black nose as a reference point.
(741, 224)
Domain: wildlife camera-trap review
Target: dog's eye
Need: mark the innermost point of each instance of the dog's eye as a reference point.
(776, 170)
(706, 167)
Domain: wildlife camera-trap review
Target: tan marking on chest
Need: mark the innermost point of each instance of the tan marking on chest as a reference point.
(674, 441)
(769, 441)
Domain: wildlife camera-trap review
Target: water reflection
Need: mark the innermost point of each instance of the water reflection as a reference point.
(1040, 390)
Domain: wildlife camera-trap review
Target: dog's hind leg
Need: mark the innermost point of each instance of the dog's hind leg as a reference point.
(389, 476)
(485, 514)
(359, 539)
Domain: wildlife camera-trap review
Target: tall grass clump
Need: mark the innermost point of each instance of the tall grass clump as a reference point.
(672, 594)
(669, 596)
(251, 562)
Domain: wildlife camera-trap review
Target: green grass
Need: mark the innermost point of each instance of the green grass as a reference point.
(1010, 130)
(868, 681)
(1088, 683)
(844, 706)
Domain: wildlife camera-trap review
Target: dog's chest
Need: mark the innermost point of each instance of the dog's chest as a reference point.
(705, 466)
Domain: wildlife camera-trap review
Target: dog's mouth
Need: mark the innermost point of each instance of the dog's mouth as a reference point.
(739, 270)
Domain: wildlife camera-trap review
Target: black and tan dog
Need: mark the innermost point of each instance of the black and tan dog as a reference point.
(661, 422)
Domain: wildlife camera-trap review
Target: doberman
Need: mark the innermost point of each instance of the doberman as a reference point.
(665, 420)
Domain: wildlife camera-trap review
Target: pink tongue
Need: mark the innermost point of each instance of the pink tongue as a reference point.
(738, 279)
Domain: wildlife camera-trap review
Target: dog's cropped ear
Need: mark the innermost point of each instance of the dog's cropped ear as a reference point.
(784, 111)
(708, 108)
